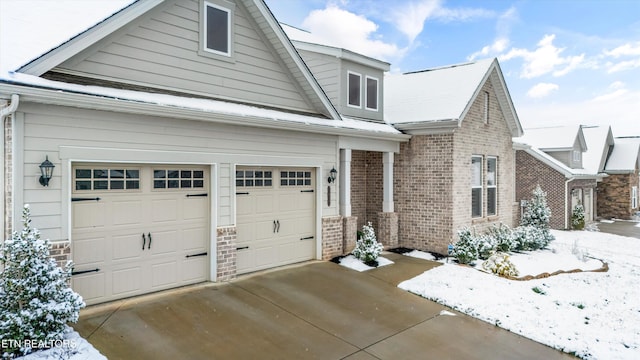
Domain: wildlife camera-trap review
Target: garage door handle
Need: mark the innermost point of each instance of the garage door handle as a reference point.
(149, 246)
(278, 229)
(274, 226)
(144, 241)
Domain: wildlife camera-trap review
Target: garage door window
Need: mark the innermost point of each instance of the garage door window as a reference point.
(106, 179)
(295, 178)
(254, 178)
(178, 179)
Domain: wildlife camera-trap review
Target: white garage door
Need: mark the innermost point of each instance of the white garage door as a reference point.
(138, 229)
(275, 217)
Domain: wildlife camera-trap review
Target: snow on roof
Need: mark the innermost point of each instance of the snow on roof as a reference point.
(432, 95)
(598, 139)
(63, 19)
(197, 104)
(551, 138)
(554, 163)
(625, 155)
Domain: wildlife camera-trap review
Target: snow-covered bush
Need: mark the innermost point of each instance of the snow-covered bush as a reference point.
(36, 302)
(577, 217)
(530, 237)
(485, 246)
(465, 250)
(499, 263)
(502, 237)
(537, 212)
(367, 247)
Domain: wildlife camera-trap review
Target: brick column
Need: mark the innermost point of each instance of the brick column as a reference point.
(332, 237)
(226, 241)
(388, 229)
(350, 226)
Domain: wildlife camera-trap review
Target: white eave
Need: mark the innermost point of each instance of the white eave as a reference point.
(429, 127)
(342, 54)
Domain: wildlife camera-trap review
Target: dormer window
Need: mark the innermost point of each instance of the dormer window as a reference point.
(372, 93)
(354, 89)
(576, 155)
(216, 31)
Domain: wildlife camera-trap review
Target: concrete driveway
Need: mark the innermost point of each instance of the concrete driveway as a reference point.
(623, 228)
(318, 310)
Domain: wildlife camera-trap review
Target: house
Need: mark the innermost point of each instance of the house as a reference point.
(457, 169)
(618, 193)
(184, 151)
(554, 158)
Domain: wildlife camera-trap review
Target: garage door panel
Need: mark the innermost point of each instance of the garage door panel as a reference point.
(194, 269)
(245, 205)
(288, 202)
(244, 260)
(163, 274)
(163, 242)
(127, 280)
(92, 286)
(127, 212)
(264, 204)
(195, 208)
(90, 251)
(194, 239)
(248, 232)
(126, 247)
(266, 255)
(89, 215)
(164, 210)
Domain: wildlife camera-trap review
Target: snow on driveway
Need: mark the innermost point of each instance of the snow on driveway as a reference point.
(595, 315)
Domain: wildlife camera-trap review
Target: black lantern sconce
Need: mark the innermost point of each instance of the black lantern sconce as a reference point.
(332, 175)
(46, 168)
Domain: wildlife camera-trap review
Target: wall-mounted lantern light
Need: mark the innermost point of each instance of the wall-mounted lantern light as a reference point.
(46, 168)
(332, 175)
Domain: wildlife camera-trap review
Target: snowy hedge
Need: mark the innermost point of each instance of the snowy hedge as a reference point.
(367, 247)
(36, 302)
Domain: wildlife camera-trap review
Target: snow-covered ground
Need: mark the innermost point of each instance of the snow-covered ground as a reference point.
(73, 347)
(352, 262)
(595, 315)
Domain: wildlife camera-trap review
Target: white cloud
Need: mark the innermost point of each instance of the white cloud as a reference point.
(622, 65)
(546, 58)
(541, 90)
(624, 50)
(501, 42)
(341, 28)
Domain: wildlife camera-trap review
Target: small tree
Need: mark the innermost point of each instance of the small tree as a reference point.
(577, 217)
(367, 246)
(36, 302)
(537, 213)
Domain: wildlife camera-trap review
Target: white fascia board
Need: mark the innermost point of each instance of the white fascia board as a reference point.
(342, 54)
(87, 38)
(111, 104)
(429, 127)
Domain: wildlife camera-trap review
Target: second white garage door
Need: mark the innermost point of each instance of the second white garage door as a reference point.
(275, 217)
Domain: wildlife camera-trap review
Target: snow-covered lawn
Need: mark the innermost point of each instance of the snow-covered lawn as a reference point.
(595, 315)
(73, 347)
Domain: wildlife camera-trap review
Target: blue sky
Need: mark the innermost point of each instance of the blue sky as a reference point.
(564, 61)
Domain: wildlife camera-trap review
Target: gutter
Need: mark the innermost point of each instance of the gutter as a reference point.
(566, 203)
(11, 108)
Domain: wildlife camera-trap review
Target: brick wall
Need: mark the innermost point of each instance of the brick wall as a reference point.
(332, 237)
(366, 187)
(226, 256)
(531, 172)
(61, 252)
(423, 192)
(388, 229)
(350, 227)
(614, 196)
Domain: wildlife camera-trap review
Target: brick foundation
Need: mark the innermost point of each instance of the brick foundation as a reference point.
(350, 227)
(388, 229)
(332, 237)
(61, 252)
(226, 246)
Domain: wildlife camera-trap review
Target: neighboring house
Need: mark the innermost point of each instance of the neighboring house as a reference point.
(618, 193)
(355, 85)
(458, 168)
(185, 151)
(552, 157)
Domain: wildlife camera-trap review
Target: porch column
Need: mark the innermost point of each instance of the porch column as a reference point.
(345, 182)
(387, 179)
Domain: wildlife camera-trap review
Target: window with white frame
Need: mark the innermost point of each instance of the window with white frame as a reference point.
(354, 91)
(217, 29)
(485, 115)
(492, 185)
(576, 155)
(634, 197)
(476, 186)
(371, 93)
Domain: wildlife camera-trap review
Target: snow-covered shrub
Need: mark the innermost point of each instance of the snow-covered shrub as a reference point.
(465, 249)
(499, 263)
(367, 247)
(485, 246)
(36, 302)
(537, 212)
(502, 237)
(530, 237)
(577, 217)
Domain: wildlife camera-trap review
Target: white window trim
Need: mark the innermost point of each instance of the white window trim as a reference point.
(485, 115)
(366, 93)
(634, 197)
(229, 29)
(495, 186)
(481, 186)
(576, 155)
(348, 89)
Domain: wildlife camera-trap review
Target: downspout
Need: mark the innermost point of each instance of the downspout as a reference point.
(566, 203)
(5, 111)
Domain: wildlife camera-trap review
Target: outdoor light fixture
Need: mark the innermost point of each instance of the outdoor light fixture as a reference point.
(46, 168)
(332, 175)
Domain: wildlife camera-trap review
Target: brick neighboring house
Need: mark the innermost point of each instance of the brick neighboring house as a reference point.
(618, 193)
(457, 169)
(556, 159)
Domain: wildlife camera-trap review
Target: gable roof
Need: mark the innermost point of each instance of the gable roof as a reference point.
(625, 157)
(599, 139)
(554, 138)
(262, 16)
(555, 164)
(438, 99)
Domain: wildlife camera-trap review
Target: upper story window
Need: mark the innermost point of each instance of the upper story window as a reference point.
(354, 89)
(577, 155)
(492, 185)
(217, 28)
(485, 115)
(476, 186)
(372, 93)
